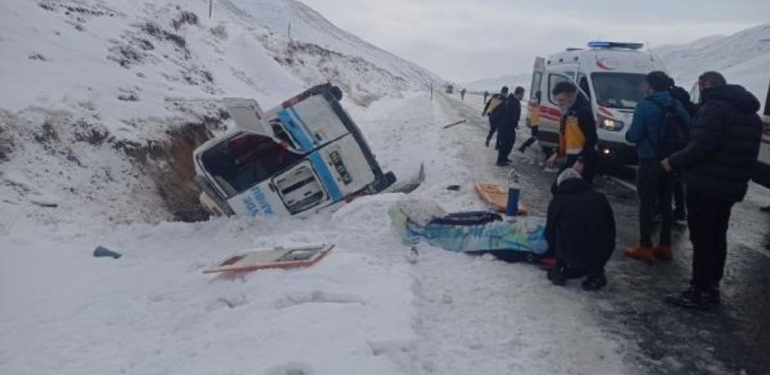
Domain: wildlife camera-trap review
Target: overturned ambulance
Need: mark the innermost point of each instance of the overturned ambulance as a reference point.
(303, 156)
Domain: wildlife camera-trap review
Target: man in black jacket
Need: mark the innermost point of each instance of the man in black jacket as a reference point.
(680, 94)
(580, 229)
(493, 109)
(508, 123)
(717, 163)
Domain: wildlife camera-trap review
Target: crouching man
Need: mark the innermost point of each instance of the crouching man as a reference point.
(580, 230)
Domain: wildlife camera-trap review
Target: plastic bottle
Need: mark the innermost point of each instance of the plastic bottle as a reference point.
(514, 191)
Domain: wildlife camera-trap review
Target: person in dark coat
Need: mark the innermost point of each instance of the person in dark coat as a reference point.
(580, 230)
(494, 110)
(717, 163)
(509, 122)
(681, 95)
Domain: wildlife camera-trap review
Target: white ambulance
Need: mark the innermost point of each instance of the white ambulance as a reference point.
(303, 156)
(610, 75)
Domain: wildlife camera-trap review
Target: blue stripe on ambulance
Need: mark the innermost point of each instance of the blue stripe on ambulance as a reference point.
(298, 131)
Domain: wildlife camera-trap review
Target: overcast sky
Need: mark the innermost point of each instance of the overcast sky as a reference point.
(469, 40)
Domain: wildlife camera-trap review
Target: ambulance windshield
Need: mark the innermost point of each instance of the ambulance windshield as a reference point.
(618, 90)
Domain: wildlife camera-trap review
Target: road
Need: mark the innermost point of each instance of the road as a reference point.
(733, 340)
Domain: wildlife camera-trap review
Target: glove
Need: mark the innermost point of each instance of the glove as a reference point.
(487, 143)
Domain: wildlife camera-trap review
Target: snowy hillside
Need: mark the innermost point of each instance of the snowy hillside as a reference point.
(104, 100)
(744, 58)
(494, 84)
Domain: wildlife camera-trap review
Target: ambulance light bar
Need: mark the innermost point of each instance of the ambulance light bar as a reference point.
(603, 44)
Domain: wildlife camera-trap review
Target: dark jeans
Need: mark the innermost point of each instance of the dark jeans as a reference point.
(492, 129)
(505, 150)
(709, 220)
(679, 200)
(531, 140)
(654, 186)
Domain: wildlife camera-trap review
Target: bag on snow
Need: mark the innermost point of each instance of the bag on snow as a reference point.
(469, 232)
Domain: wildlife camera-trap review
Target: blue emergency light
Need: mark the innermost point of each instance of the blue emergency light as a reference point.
(608, 45)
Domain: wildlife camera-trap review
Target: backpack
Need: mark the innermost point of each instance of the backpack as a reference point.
(672, 135)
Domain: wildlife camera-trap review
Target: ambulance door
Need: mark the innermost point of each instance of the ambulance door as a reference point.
(535, 93)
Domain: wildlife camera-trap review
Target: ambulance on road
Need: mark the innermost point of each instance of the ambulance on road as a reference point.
(610, 75)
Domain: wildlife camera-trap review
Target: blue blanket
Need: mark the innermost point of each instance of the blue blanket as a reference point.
(418, 221)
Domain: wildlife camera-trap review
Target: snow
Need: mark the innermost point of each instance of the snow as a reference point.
(743, 58)
(363, 309)
(82, 86)
(493, 85)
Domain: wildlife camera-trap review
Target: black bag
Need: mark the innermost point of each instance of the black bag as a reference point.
(672, 136)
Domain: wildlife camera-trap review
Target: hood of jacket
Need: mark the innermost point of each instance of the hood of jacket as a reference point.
(570, 181)
(736, 95)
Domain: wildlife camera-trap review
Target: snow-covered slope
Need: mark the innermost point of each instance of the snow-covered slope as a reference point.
(744, 58)
(94, 91)
(494, 84)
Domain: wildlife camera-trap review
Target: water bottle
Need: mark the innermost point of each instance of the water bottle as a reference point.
(514, 191)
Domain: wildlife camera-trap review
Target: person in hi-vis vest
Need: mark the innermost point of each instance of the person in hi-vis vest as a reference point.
(493, 109)
(577, 132)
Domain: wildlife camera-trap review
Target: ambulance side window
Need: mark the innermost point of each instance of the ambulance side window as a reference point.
(553, 79)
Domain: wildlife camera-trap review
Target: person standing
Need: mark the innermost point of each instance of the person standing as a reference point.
(462, 94)
(680, 209)
(511, 115)
(533, 122)
(486, 95)
(577, 132)
(718, 163)
(655, 118)
(494, 111)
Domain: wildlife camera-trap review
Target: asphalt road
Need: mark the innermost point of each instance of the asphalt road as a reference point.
(732, 340)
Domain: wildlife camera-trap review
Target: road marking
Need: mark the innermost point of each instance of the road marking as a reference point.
(622, 183)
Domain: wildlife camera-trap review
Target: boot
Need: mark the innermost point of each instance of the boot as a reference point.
(595, 282)
(696, 299)
(765, 209)
(556, 276)
(663, 252)
(640, 252)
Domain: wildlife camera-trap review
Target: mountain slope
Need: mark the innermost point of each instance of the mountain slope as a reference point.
(493, 85)
(103, 100)
(744, 58)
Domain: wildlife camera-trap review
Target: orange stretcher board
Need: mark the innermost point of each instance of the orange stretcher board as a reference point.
(497, 197)
(285, 258)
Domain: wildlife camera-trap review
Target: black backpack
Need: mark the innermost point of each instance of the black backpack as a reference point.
(672, 136)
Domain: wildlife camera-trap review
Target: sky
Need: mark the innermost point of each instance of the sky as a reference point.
(469, 40)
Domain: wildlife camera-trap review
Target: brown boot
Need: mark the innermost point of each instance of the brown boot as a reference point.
(663, 252)
(640, 252)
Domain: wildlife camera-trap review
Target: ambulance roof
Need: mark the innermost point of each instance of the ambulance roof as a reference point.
(606, 57)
